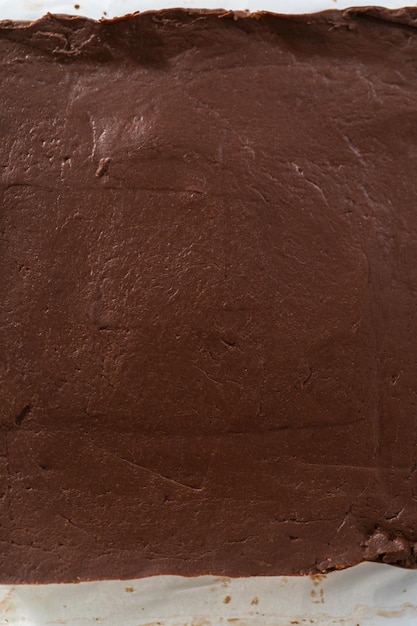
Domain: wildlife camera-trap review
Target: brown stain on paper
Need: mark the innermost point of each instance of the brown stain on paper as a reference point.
(401, 612)
(5, 604)
(224, 581)
(317, 596)
(317, 579)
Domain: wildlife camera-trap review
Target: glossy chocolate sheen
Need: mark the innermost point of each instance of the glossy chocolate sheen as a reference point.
(208, 276)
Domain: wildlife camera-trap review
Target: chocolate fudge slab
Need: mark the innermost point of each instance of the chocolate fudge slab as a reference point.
(208, 278)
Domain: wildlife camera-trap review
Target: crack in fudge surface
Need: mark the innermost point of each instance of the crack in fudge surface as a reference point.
(208, 252)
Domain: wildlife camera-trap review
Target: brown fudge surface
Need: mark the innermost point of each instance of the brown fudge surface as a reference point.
(208, 273)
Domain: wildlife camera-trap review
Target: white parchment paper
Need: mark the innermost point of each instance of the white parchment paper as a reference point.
(32, 9)
(366, 595)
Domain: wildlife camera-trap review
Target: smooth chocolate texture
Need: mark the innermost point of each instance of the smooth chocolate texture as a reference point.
(208, 272)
